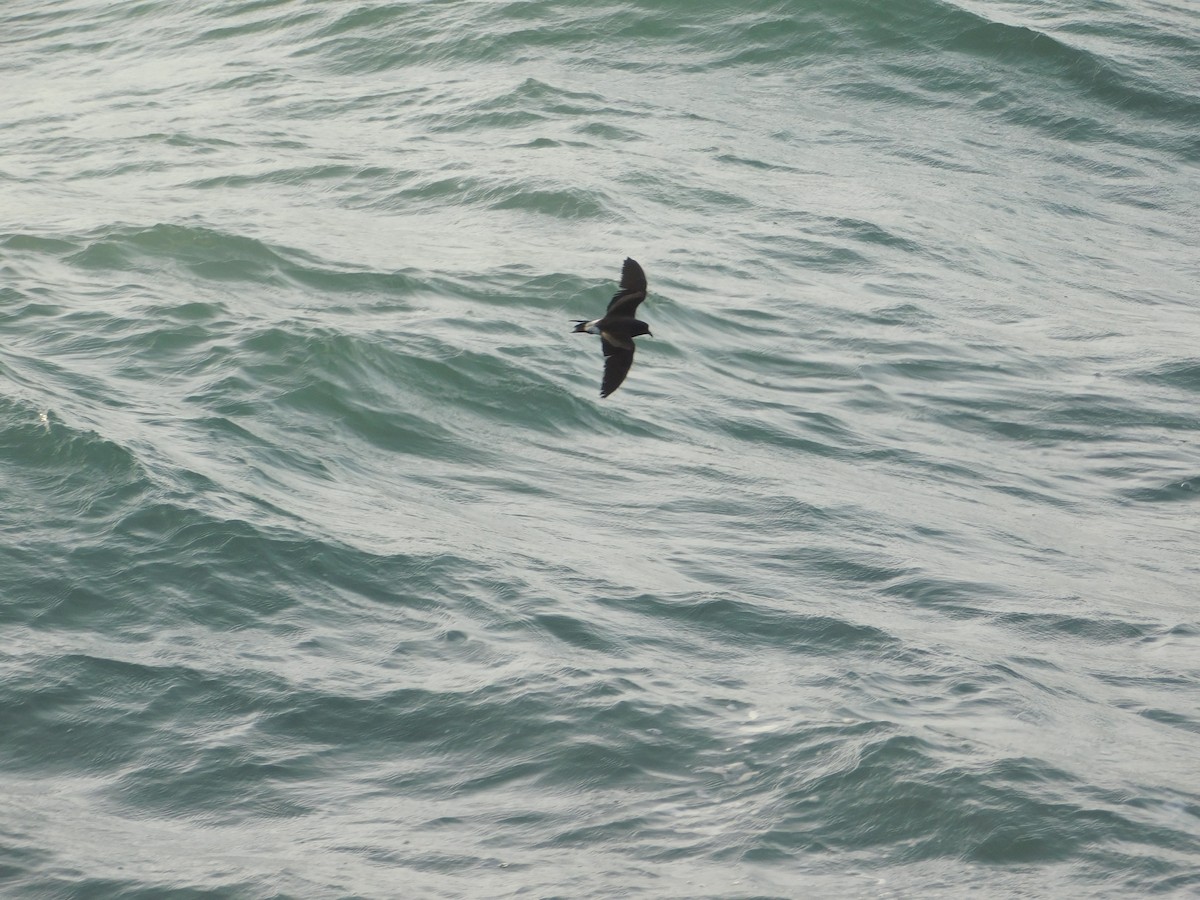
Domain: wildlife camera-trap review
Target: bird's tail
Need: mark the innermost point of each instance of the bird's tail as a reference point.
(580, 325)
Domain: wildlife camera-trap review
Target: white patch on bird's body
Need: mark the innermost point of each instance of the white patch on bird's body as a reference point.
(592, 327)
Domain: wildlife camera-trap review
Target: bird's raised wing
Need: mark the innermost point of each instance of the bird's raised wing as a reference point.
(633, 290)
(618, 357)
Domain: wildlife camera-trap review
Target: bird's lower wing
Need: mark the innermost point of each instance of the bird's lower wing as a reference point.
(618, 357)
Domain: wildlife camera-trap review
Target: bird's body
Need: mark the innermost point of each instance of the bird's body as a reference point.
(618, 326)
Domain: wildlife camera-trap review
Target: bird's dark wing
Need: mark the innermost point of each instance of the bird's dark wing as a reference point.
(618, 357)
(633, 290)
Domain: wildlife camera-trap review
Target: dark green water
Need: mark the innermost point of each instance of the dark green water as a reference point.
(325, 573)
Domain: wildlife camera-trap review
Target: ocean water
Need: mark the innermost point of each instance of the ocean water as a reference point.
(326, 573)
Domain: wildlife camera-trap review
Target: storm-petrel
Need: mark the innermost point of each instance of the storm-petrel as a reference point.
(618, 327)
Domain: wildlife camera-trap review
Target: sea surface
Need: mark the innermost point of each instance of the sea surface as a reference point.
(326, 573)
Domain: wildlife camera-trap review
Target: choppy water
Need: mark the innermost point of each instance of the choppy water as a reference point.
(325, 572)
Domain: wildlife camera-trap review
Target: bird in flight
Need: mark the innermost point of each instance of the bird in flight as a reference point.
(618, 327)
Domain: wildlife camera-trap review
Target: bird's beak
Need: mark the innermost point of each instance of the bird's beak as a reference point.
(650, 333)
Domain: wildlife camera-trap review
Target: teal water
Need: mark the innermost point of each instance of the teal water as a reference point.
(327, 574)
